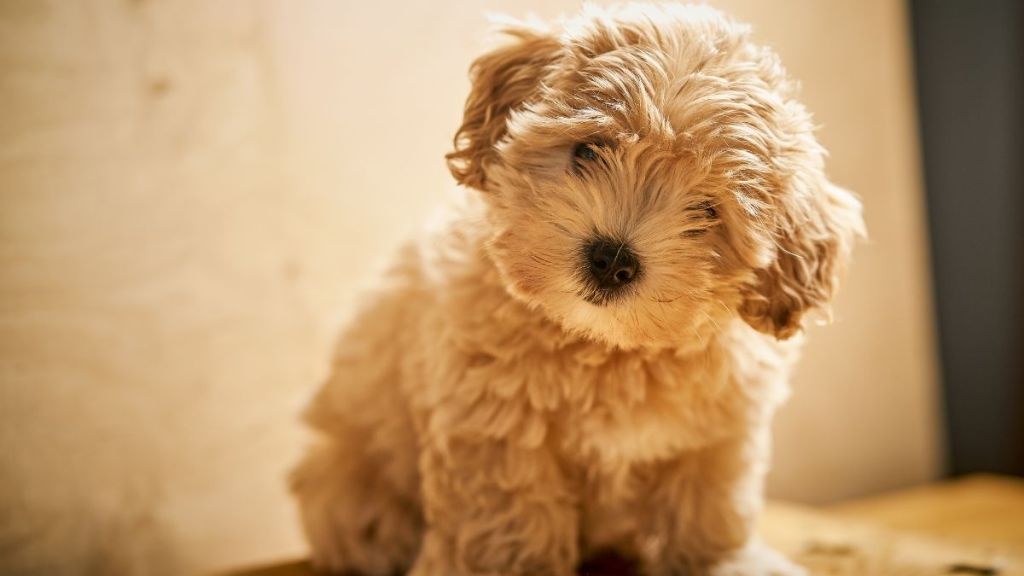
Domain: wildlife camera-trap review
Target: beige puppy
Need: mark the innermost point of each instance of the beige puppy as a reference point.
(589, 354)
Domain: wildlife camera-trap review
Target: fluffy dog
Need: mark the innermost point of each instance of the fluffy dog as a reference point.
(588, 355)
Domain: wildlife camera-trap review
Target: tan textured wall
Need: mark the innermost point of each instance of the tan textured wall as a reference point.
(191, 194)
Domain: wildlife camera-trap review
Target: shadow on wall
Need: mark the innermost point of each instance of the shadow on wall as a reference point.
(970, 81)
(87, 538)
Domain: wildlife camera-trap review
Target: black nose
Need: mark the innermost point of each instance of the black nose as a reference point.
(612, 264)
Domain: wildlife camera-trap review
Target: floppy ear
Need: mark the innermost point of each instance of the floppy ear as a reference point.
(502, 81)
(816, 225)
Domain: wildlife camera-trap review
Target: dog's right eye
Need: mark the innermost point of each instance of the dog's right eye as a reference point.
(584, 151)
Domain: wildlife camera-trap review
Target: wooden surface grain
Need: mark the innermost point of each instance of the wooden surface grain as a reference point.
(973, 526)
(982, 509)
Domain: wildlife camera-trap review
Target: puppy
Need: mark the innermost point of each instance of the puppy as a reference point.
(588, 355)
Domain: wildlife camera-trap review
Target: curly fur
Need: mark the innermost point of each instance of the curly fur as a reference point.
(489, 412)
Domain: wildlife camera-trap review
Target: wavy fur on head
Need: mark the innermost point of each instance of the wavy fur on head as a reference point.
(499, 407)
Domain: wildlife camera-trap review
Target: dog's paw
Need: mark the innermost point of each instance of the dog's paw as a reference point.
(756, 560)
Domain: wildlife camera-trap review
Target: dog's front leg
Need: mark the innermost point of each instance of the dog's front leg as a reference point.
(495, 508)
(702, 511)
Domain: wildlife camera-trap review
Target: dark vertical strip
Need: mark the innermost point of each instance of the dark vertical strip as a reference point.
(969, 65)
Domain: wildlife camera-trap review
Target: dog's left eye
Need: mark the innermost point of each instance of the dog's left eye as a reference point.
(706, 209)
(709, 210)
(584, 151)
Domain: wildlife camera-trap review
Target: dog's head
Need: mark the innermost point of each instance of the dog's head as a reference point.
(648, 173)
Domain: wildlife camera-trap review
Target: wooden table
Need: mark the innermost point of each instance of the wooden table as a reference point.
(971, 527)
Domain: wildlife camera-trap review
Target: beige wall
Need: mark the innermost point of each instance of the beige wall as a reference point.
(191, 194)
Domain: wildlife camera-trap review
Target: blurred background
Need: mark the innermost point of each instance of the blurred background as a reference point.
(193, 195)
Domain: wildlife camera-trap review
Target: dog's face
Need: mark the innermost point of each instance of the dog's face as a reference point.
(648, 175)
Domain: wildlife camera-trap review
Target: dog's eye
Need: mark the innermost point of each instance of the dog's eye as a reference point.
(709, 210)
(705, 211)
(584, 151)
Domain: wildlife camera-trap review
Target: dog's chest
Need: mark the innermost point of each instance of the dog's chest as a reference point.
(634, 409)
